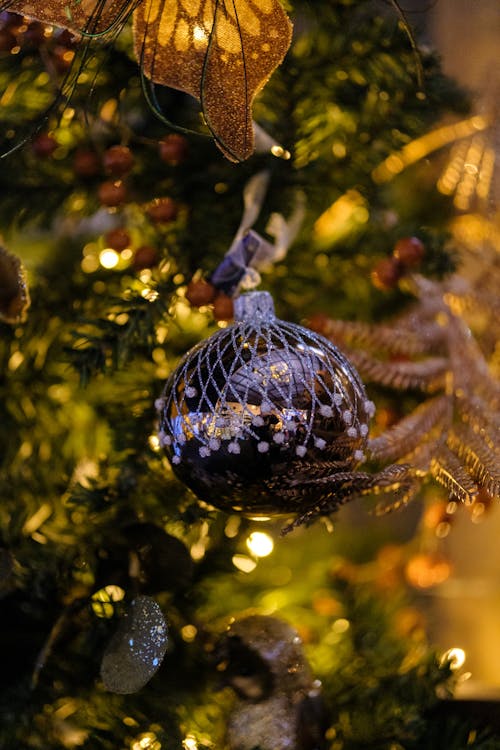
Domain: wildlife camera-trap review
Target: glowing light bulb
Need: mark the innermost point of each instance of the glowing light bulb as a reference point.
(454, 657)
(108, 258)
(260, 544)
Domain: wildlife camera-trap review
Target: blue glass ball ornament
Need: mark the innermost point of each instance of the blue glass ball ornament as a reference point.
(252, 414)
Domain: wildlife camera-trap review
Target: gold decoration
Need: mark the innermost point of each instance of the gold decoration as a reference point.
(452, 437)
(14, 295)
(222, 52)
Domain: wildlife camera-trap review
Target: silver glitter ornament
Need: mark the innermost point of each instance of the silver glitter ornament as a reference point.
(279, 704)
(250, 413)
(136, 650)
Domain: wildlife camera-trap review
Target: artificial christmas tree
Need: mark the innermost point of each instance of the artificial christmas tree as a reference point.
(123, 246)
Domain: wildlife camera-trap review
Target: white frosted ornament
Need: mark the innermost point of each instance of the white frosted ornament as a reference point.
(251, 413)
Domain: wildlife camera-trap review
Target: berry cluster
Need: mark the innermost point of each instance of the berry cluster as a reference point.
(407, 255)
(201, 293)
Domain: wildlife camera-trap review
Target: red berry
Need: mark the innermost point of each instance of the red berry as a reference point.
(86, 163)
(44, 145)
(118, 160)
(200, 292)
(223, 307)
(162, 210)
(118, 239)
(173, 149)
(409, 251)
(112, 194)
(387, 273)
(145, 257)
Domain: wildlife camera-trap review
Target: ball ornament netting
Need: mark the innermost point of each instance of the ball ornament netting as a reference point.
(250, 412)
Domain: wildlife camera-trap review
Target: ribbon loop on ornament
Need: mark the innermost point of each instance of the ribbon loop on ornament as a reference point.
(249, 252)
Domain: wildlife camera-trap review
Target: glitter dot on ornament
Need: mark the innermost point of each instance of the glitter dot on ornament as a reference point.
(251, 410)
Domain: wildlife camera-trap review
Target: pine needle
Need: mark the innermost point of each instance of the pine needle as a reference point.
(448, 471)
(428, 375)
(478, 458)
(406, 435)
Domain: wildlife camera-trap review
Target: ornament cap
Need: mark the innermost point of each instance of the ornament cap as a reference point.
(255, 307)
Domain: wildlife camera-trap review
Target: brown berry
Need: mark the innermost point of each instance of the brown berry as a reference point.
(118, 239)
(409, 251)
(86, 163)
(387, 273)
(145, 257)
(223, 307)
(200, 292)
(162, 210)
(118, 160)
(173, 149)
(44, 145)
(112, 194)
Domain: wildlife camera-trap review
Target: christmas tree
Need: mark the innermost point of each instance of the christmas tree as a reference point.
(160, 160)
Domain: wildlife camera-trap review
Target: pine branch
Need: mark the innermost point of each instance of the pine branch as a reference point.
(114, 344)
(427, 375)
(478, 458)
(420, 458)
(377, 337)
(410, 431)
(482, 419)
(449, 472)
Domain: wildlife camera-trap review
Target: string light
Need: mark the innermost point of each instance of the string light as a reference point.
(104, 599)
(260, 544)
(146, 741)
(243, 563)
(454, 658)
(108, 258)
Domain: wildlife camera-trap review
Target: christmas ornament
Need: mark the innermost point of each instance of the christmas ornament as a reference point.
(266, 417)
(14, 295)
(280, 705)
(136, 650)
(222, 52)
